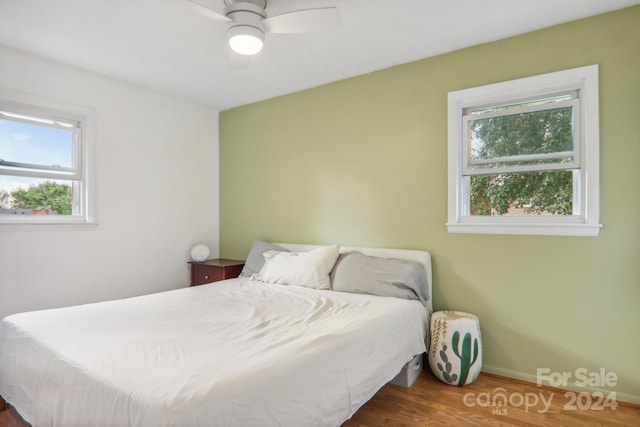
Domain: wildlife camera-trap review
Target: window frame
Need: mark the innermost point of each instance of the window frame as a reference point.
(585, 218)
(81, 174)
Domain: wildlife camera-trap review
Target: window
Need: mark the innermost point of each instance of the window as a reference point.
(43, 164)
(523, 156)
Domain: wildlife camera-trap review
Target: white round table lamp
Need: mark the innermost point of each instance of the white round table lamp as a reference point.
(199, 253)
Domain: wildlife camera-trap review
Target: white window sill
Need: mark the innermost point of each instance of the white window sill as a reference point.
(584, 230)
(35, 224)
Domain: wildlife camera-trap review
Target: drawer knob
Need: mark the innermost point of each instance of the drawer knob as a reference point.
(206, 277)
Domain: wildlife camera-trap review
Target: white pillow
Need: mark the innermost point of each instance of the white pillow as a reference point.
(308, 269)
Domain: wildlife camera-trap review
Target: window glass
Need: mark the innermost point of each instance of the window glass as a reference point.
(34, 146)
(517, 139)
(522, 194)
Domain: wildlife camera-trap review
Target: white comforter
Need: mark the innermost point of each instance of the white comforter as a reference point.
(234, 353)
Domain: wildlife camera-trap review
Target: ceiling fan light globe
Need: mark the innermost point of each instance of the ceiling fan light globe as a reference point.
(245, 40)
(244, 44)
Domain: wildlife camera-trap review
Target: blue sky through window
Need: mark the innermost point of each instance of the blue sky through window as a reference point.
(27, 143)
(30, 143)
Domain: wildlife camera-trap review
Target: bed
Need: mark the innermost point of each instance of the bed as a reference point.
(240, 352)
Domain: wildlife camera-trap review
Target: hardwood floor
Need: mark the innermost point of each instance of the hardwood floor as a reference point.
(432, 403)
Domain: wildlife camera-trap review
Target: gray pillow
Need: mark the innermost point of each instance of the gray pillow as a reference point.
(390, 277)
(255, 260)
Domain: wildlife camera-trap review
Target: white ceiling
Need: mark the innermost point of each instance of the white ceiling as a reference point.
(162, 45)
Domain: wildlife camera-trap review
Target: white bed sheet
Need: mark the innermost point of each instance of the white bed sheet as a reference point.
(233, 353)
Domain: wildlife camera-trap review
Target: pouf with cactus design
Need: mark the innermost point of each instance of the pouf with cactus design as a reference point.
(455, 356)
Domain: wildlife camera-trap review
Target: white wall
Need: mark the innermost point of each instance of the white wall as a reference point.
(156, 188)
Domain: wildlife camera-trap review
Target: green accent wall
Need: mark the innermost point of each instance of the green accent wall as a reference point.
(363, 162)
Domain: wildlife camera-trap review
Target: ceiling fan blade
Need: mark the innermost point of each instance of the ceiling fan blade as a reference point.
(204, 8)
(303, 21)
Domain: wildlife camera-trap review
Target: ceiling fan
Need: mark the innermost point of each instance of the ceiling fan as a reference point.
(250, 20)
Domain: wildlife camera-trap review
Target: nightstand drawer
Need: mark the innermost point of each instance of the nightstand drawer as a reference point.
(214, 270)
(205, 274)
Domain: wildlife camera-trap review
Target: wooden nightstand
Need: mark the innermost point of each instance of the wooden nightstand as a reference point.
(214, 270)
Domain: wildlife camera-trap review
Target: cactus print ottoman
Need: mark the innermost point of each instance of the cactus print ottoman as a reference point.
(455, 355)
